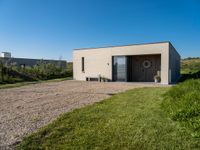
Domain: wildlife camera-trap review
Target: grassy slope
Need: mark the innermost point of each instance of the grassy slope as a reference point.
(131, 120)
(190, 65)
(182, 103)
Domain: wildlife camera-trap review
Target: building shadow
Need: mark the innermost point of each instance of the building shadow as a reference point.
(188, 76)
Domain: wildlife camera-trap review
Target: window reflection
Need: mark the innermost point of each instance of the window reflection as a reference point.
(119, 68)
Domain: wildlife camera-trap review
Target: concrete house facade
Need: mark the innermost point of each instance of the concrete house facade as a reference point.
(129, 63)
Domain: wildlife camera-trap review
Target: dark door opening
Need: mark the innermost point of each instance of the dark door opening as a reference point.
(137, 68)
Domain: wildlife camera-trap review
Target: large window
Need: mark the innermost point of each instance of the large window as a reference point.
(119, 68)
(83, 64)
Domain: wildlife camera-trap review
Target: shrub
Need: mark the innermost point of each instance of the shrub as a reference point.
(182, 103)
(41, 71)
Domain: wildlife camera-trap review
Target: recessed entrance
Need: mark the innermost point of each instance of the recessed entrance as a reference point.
(137, 68)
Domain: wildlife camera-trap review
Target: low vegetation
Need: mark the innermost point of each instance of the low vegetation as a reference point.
(41, 71)
(184, 77)
(190, 65)
(182, 103)
(69, 69)
(190, 68)
(130, 120)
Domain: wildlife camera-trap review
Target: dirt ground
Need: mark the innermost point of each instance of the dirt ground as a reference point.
(25, 109)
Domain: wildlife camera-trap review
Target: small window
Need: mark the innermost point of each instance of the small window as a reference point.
(83, 64)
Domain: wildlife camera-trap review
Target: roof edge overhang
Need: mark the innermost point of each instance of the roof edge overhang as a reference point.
(122, 45)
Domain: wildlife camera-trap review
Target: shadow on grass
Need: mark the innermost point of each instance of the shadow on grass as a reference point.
(188, 76)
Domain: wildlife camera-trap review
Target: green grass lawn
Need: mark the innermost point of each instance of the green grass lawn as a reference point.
(130, 120)
(182, 104)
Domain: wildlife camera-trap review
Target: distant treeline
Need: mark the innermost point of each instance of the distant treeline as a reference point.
(190, 58)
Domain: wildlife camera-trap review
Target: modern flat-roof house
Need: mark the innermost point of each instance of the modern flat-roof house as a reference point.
(129, 63)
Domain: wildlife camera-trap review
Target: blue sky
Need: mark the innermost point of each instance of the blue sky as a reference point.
(52, 28)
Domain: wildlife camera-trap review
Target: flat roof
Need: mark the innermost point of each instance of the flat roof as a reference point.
(122, 45)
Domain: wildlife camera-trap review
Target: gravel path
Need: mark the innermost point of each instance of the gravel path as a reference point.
(27, 108)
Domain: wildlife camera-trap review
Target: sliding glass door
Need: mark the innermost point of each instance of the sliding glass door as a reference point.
(119, 68)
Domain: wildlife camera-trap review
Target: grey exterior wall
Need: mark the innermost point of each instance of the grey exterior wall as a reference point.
(32, 62)
(174, 66)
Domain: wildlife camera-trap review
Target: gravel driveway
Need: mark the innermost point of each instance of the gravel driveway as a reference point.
(25, 109)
